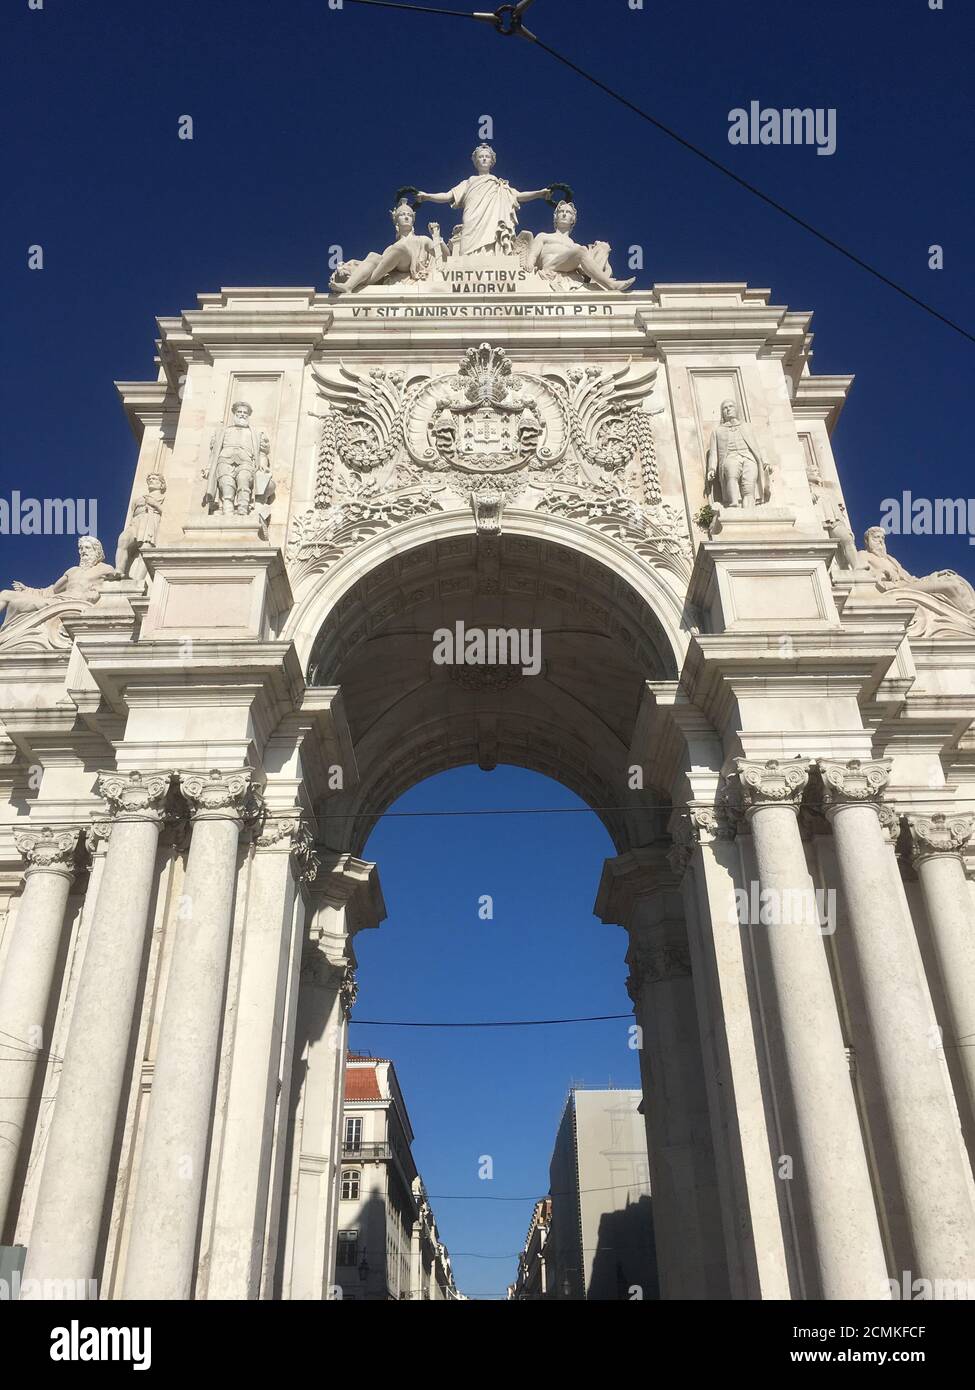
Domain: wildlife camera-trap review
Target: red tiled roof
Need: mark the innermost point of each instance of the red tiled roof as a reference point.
(361, 1083)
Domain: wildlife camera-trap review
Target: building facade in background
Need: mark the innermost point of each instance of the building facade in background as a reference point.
(592, 1237)
(387, 1246)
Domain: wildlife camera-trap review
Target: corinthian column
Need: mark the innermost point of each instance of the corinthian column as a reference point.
(64, 1239)
(937, 843)
(821, 1129)
(169, 1190)
(282, 859)
(25, 998)
(641, 892)
(925, 1132)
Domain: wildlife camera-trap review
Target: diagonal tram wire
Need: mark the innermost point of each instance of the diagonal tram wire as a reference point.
(689, 145)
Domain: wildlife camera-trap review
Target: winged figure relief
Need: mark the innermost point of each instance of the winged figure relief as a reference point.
(607, 429)
(368, 409)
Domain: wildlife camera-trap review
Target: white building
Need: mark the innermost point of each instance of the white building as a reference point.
(388, 1245)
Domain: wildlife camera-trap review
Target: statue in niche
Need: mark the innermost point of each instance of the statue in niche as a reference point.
(239, 471)
(891, 576)
(833, 516)
(737, 472)
(489, 205)
(81, 585)
(142, 530)
(555, 253)
(410, 255)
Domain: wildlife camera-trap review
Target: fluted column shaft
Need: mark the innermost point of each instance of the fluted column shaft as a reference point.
(25, 998)
(937, 843)
(165, 1220)
(831, 1163)
(68, 1220)
(925, 1132)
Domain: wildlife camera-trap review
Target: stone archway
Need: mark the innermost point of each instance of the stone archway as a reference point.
(496, 445)
(408, 716)
(575, 720)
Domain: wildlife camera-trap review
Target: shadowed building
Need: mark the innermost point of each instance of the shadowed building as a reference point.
(592, 1238)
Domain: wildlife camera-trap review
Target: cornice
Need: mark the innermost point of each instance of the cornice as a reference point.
(261, 321)
(161, 671)
(821, 398)
(640, 876)
(146, 403)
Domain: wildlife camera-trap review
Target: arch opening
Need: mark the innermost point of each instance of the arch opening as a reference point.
(569, 714)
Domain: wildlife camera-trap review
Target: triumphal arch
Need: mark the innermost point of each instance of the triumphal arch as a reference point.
(490, 435)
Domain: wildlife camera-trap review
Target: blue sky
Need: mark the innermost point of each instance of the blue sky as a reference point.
(495, 1092)
(306, 121)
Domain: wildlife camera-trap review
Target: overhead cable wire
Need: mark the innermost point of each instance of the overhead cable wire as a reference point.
(694, 149)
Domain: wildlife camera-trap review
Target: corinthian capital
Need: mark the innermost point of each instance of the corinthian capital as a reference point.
(48, 849)
(853, 783)
(292, 835)
(938, 835)
(771, 783)
(134, 795)
(692, 826)
(217, 795)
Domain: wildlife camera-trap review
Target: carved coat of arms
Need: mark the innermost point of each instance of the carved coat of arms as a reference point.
(486, 419)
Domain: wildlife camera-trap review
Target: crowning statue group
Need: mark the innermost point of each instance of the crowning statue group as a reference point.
(489, 208)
